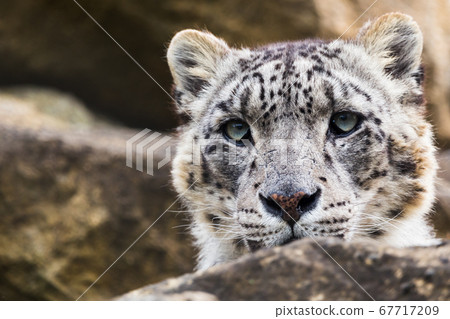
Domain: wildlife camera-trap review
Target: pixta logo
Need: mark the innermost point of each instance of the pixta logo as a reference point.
(144, 145)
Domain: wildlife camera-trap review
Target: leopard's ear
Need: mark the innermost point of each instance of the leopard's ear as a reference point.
(396, 40)
(193, 58)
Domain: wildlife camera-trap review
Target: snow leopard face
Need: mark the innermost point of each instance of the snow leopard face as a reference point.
(303, 139)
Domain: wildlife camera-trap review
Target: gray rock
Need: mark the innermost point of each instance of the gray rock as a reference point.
(303, 271)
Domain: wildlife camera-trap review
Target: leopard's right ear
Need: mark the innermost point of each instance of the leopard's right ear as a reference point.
(396, 41)
(193, 58)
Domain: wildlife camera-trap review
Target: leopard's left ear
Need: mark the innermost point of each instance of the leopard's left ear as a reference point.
(396, 40)
(193, 58)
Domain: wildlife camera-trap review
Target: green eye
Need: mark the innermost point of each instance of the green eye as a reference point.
(344, 122)
(236, 130)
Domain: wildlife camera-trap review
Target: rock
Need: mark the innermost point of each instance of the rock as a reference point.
(70, 52)
(69, 206)
(303, 271)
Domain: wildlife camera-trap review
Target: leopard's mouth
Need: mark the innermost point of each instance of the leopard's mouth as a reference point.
(290, 240)
(254, 245)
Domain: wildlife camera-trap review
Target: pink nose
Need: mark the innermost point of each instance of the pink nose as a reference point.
(289, 205)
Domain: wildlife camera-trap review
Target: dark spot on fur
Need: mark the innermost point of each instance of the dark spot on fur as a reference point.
(376, 174)
(263, 106)
(259, 76)
(253, 245)
(419, 75)
(195, 84)
(206, 174)
(245, 96)
(330, 95)
(376, 233)
(210, 148)
(399, 159)
(328, 158)
(262, 93)
(222, 106)
(395, 213)
(419, 189)
(183, 117)
(406, 167)
(189, 63)
(360, 91)
(239, 243)
(191, 179)
(378, 138)
(177, 95)
(215, 220)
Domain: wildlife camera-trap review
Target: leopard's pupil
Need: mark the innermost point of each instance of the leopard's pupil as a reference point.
(236, 130)
(345, 121)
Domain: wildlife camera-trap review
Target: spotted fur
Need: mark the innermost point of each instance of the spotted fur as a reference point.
(375, 184)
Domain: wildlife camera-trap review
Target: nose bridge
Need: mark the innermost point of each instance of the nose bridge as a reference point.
(288, 166)
(289, 189)
(294, 150)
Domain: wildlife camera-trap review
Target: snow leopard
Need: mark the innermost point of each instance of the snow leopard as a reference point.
(308, 138)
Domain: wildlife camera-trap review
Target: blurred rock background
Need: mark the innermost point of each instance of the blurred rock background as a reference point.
(70, 98)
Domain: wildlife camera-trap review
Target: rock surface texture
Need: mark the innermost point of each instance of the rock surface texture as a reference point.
(69, 206)
(304, 271)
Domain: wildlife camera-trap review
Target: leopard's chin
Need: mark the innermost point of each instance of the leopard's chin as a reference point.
(290, 240)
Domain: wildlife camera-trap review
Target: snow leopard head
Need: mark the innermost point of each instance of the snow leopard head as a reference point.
(307, 138)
